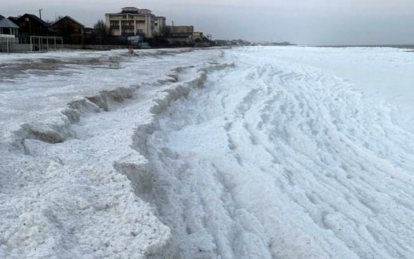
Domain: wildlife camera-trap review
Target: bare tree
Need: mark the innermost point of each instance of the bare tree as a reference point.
(102, 31)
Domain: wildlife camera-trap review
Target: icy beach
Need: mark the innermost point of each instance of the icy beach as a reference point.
(256, 152)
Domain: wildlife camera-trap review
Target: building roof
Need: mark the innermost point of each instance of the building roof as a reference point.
(70, 18)
(13, 19)
(133, 10)
(6, 23)
(129, 8)
(37, 19)
(1, 17)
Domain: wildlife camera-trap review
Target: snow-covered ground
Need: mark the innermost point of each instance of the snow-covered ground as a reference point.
(236, 153)
(72, 181)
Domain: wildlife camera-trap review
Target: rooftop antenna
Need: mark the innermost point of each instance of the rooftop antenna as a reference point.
(40, 13)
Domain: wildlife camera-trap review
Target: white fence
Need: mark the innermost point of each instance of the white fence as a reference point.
(10, 44)
(41, 43)
(6, 42)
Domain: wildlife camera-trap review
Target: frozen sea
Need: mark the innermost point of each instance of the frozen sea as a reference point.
(250, 152)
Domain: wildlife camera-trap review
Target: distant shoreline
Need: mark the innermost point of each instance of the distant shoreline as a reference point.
(402, 46)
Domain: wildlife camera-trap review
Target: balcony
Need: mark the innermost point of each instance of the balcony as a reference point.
(129, 27)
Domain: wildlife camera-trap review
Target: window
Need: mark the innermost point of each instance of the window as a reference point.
(131, 24)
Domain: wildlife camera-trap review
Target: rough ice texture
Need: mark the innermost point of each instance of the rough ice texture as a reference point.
(291, 159)
(73, 184)
(239, 153)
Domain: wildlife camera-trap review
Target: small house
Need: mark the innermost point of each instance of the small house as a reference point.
(7, 27)
(36, 33)
(8, 33)
(31, 25)
(72, 30)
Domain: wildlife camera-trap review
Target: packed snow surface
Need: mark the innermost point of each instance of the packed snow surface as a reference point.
(257, 152)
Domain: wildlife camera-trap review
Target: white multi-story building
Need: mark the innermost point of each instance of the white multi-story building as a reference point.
(160, 25)
(133, 21)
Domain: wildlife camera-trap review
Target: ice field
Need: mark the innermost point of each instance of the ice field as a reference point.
(256, 152)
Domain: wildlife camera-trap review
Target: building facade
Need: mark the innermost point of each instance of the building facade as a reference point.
(8, 28)
(31, 25)
(70, 29)
(133, 21)
(182, 31)
(8, 33)
(160, 26)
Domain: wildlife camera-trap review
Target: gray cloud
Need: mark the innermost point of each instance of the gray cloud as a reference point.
(312, 22)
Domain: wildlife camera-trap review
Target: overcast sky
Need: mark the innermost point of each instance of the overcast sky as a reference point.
(313, 22)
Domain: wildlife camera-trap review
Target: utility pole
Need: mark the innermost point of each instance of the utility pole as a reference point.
(172, 28)
(40, 13)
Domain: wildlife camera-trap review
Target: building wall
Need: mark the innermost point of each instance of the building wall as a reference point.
(29, 26)
(5, 38)
(13, 47)
(124, 24)
(9, 31)
(159, 26)
(198, 35)
(181, 29)
(70, 29)
(180, 41)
